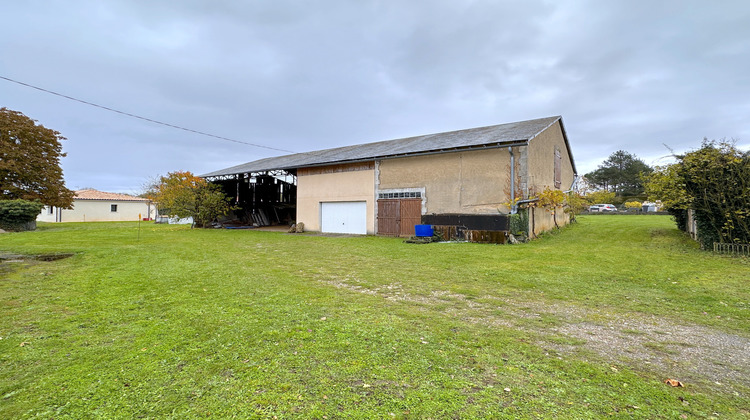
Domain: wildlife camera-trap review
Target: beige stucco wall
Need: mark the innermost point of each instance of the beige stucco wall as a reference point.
(99, 211)
(462, 182)
(541, 160)
(541, 174)
(542, 220)
(340, 186)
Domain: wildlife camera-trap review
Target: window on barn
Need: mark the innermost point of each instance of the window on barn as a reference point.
(113, 208)
(411, 194)
(558, 168)
(49, 209)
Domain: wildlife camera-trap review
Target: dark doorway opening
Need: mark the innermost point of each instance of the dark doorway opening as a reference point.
(263, 198)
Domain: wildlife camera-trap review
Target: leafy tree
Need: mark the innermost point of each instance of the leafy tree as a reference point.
(621, 173)
(174, 193)
(600, 197)
(210, 203)
(713, 181)
(183, 194)
(666, 185)
(30, 161)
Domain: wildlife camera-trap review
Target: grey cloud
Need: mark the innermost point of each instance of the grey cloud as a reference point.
(306, 75)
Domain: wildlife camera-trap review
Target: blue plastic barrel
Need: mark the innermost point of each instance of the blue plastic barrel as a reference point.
(423, 230)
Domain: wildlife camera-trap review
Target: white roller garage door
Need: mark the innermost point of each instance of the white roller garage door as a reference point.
(344, 217)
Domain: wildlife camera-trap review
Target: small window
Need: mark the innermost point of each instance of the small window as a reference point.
(113, 208)
(49, 209)
(392, 195)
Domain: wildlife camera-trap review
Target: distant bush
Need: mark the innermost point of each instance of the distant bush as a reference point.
(633, 205)
(19, 215)
(600, 197)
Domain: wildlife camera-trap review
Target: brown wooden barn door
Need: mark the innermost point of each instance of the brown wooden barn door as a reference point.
(397, 217)
(389, 217)
(411, 214)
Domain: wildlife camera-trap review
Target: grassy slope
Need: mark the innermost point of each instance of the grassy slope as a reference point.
(186, 323)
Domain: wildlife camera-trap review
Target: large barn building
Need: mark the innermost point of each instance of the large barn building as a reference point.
(466, 179)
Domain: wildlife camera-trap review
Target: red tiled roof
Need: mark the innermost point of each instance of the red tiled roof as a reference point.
(91, 194)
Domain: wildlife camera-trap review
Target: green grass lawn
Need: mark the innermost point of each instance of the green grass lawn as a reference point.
(179, 323)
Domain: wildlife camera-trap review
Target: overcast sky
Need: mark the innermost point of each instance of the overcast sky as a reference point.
(307, 75)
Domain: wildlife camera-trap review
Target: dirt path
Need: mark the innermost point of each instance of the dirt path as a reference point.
(693, 354)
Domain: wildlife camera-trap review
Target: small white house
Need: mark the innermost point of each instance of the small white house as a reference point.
(90, 205)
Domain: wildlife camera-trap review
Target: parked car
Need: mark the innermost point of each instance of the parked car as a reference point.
(602, 208)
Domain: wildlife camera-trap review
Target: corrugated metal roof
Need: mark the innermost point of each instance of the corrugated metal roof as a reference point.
(432, 143)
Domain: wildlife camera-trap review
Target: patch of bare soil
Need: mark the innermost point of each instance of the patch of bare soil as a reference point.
(694, 354)
(12, 262)
(39, 257)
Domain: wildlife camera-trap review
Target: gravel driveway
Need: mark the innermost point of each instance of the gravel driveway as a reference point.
(692, 354)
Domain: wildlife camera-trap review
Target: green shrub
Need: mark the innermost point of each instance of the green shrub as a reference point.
(19, 214)
(680, 217)
(633, 205)
(600, 197)
(519, 222)
(717, 177)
